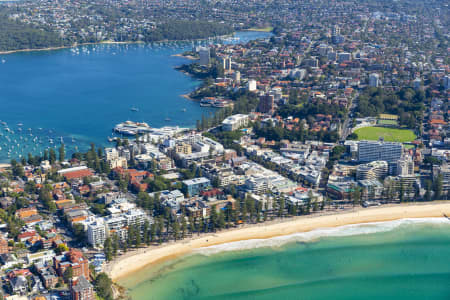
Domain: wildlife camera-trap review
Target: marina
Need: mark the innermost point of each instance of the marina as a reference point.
(130, 128)
(90, 99)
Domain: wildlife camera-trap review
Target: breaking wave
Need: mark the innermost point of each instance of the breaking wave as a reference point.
(340, 231)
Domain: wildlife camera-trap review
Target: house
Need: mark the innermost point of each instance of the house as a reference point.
(3, 246)
(25, 236)
(26, 212)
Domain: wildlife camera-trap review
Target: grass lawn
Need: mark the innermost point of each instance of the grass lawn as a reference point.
(388, 122)
(408, 146)
(264, 29)
(389, 134)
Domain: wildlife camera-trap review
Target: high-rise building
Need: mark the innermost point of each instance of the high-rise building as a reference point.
(81, 289)
(374, 80)
(336, 36)
(336, 30)
(323, 49)
(377, 150)
(266, 104)
(226, 63)
(96, 232)
(204, 54)
(417, 84)
(403, 166)
(447, 82)
(444, 170)
(237, 76)
(252, 85)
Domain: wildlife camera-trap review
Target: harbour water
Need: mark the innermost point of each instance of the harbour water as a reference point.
(77, 95)
(405, 259)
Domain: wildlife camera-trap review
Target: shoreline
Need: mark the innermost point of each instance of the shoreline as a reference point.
(190, 57)
(141, 258)
(6, 52)
(67, 47)
(111, 42)
(187, 97)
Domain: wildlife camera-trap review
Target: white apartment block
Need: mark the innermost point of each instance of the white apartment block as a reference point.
(373, 150)
(234, 122)
(96, 233)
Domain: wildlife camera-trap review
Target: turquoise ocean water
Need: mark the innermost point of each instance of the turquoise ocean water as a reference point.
(76, 96)
(407, 259)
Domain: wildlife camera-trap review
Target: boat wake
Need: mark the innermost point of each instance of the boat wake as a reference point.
(341, 231)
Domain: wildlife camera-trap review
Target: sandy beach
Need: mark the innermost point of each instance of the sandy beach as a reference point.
(190, 57)
(186, 96)
(138, 259)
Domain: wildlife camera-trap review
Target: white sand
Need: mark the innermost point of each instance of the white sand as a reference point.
(138, 259)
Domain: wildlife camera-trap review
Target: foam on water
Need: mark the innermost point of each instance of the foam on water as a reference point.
(340, 231)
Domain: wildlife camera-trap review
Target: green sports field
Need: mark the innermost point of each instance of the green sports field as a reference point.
(389, 134)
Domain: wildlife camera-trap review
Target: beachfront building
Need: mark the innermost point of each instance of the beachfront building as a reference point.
(372, 170)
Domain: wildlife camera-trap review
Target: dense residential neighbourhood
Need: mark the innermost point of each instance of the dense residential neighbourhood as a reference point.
(345, 105)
